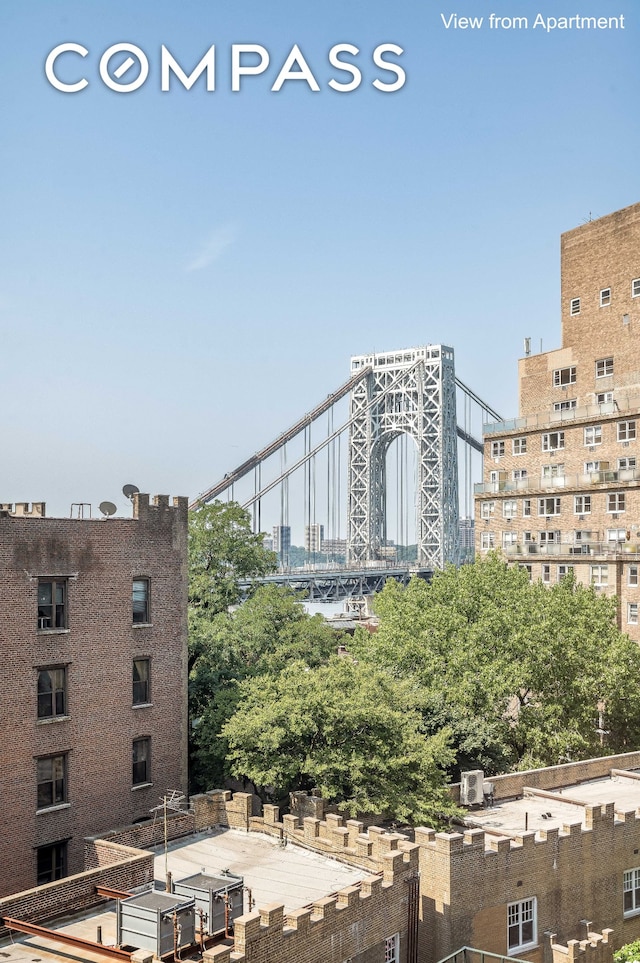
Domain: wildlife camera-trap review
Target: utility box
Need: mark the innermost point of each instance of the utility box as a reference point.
(220, 897)
(146, 921)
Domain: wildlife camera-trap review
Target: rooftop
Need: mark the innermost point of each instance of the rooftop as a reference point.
(543, 809)
(291, 875)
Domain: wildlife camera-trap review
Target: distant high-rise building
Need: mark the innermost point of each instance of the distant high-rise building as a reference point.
(282, 542)
(313, 538)
(467, 538)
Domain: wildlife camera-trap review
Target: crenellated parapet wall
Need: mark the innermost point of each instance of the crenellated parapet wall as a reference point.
(333, 929)
(572, 873)
(596, 948)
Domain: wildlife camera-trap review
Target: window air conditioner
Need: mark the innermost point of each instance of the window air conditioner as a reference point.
(471, 792)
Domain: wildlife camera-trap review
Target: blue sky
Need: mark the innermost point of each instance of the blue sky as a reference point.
(183, 274)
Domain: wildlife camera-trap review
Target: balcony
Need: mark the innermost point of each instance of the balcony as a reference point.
(607, 549)
(625, 401)
(576, 482)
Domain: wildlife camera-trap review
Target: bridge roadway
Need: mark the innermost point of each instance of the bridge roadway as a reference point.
(339, 582)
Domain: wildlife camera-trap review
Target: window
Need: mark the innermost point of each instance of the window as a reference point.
(487, 540)
(591, 466)
(564, 376)
(565, 405)
(616, 535)
(635, 288)
(605, 297)
(519, 473)
(575, 306)
(509, 538)
(625, 463)
(141, 761)
(51, 776)
(626, 430)
(632, 613)
(52, 862)
(526, 506)
(519, 446)
(527, 569)
(546, 574)
(553, 441)
(553, 471)
(582, 504)
(521, 925)
(548, 506)
(140, 600)
(604, 367)
(487, 509)
(604, 398)
(615, 502)
(599, 574)
(631, 899)
(632, 575)
(392, 949)
(549, 538)
(141, 680)
(52, 604)
(509, 508)
(564, 570)
(497, 449)
(52, 692)
(593, 435)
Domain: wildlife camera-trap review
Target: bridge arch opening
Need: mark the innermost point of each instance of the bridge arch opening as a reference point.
(400, 483)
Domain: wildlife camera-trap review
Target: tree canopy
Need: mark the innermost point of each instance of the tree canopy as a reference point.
(346, 728)
(516, 670)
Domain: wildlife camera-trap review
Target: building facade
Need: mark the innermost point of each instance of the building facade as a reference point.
(561, 487)
(93, 712)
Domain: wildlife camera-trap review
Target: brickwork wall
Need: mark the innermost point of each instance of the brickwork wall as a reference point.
(99, 559)
(604, 254)
(141, 835)
(573, 873)
(115, 866)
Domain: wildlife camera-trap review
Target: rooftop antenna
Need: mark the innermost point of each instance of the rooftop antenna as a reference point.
(527, 347)
(107, 508)
(172, 800)
(129, 491)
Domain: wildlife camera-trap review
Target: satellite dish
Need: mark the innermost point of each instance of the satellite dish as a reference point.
(130, 490)
(107, 508)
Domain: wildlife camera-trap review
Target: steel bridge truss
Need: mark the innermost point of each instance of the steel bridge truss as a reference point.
(410, 392)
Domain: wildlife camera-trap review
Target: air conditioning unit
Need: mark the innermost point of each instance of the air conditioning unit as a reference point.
(625, 444)
(471, 793)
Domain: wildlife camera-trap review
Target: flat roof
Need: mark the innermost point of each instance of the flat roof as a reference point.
(540, 809)
(291, 875)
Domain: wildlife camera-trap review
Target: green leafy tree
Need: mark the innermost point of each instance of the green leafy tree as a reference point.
(261, 637)
(346, 728)
(516, 670)
(630, 953)
(223, 551)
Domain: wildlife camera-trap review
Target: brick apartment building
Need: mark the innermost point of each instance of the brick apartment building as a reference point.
(561, 488)
(93, 725)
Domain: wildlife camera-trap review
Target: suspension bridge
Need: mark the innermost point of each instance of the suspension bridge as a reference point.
(375, 477)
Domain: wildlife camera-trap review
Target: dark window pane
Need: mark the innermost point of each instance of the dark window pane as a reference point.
(140, 757)
(52, 863)
(140, 681)
(140, 599)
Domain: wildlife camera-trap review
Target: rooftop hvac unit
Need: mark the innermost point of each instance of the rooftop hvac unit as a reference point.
(219, 897)
(471, 793)
(146, 921)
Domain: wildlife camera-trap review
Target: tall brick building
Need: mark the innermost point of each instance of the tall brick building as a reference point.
(561, 485)
(93, 724)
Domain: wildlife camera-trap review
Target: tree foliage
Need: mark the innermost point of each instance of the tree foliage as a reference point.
(223, 551)
(259, 638)
(346, 728)
(516, 670)
(629, 953)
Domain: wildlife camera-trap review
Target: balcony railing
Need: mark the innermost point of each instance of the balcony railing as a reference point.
(624, 401)
(575, 481)
(570, 548)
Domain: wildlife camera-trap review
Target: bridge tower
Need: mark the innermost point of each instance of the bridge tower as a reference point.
(412, 392)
